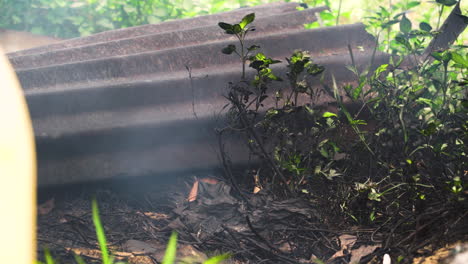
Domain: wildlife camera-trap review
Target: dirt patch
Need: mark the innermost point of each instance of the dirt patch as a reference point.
(139, 215)
(136, 210)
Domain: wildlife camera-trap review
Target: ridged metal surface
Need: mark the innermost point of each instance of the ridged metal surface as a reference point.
(121, 103)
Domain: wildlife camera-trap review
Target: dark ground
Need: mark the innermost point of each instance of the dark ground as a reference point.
(137, 215)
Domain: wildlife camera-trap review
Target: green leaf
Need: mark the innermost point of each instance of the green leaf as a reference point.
(348, 88)
(358, 122)
(273, 77)
(312, 25)
(437, 55)
(271, 112)
(171, 250)
(384, 11)
(329, 114)
(446, 56)
(459, 59)
(447, 2)
(353, 69)
(225, 26)
(405, 24)
(253, 47)
(106, 23)
(259, 56)
(228, 28)
(412, 4)
(372, 216)
(236, 29)
(326, 16)
(402, 40)
(247, 20)
(389, 23)
(324, 152)
(380, 69)
(229, 49)
(425, 27)
(429, 130)
(217, 259)
(374, 195)
(332, 174)
(357, 92)
(426, 101)
(256, 64)
(100, 233)
(309, 110)
(315, 69)
(398, 15)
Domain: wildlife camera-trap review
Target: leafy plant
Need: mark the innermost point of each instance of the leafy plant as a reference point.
(417, 106)
(283, 126)
(393, 155)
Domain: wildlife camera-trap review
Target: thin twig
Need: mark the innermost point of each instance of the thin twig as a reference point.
(189, 70)
(252, 132)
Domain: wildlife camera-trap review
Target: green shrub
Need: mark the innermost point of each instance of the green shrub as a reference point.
(406, 163)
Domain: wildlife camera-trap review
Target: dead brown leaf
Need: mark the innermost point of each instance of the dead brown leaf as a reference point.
(346, 242)
(194, 191)
(138, 247)
(362, 251)
(46, 207)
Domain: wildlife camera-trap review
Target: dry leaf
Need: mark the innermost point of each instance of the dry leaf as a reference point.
(256, 189)
(209, 180)
(285, 247)
(362, 251)
(346, 242)
(138, 247)
(46, 207)
(193, 192)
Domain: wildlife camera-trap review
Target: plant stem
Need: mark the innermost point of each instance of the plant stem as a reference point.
(441, 10)
(251, 131)
(243, 58)
(444, 89)
(339, 12)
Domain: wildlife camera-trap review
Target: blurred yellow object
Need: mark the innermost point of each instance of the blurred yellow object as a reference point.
(17, 172)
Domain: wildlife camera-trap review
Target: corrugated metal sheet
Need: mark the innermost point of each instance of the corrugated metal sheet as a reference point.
(120, 102)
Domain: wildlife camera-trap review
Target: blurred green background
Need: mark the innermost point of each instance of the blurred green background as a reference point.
(75, 18)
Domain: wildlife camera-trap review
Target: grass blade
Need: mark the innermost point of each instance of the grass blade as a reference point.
(48, 257)
(100, 233)
(171, 250)
(217, 259)
(79, 260)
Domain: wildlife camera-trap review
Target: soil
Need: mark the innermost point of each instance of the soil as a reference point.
(130, 209)
(137, 215)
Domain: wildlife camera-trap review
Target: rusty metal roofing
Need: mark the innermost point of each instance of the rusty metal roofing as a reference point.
(121, 103)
